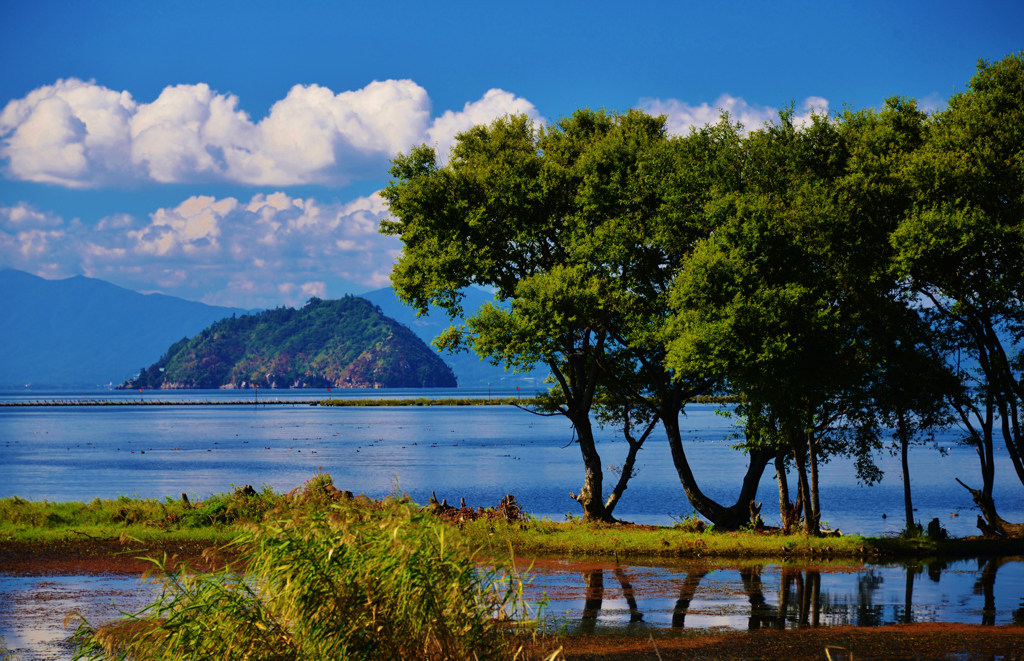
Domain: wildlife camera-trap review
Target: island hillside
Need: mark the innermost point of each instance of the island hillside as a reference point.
(344, 343)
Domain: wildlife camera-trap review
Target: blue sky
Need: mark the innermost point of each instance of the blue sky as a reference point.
(229, 152)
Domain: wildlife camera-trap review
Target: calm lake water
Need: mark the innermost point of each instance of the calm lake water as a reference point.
(479, 453)
(586, 597)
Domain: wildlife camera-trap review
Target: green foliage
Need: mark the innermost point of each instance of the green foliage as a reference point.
(691, 523)
(346, 582)
(108, 518)
(345, 343)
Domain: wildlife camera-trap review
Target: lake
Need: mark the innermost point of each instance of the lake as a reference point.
(589, 596)
(479, 453)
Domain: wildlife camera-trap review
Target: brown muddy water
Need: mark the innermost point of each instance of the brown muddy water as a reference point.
(596, 596)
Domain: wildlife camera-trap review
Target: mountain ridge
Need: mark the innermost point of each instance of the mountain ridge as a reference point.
(85, 332)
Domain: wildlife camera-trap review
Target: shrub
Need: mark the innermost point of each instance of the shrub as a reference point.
(345, 582)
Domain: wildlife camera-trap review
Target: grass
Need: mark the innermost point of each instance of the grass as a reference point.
(330, 579)
(223, 517)
(577, 539)
(215, 519)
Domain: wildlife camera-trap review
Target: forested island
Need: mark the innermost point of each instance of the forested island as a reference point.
(343, 343)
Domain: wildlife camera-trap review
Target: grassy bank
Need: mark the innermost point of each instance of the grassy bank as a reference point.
(221, 518)
(553, 539)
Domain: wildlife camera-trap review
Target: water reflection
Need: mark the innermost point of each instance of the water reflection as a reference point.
(749, 596)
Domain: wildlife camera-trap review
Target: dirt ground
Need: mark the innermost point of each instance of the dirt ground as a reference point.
(94, 557)
(915, 641)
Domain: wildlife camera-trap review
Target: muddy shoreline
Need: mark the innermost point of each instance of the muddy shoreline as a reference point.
(99, 557)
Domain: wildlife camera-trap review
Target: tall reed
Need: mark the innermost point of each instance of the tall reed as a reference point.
(336, 580)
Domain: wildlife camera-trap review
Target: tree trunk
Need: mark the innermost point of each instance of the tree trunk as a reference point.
(589, 496)
(800, 459)
(813, 505)
(788, 512)
(1011, 437)
(992, 524)
(627, 467)
(723, 518)
(904, 446)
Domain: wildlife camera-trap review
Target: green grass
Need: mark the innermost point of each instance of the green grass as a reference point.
(577, 539)
(214, 519)
(342, 580)
(222, 517)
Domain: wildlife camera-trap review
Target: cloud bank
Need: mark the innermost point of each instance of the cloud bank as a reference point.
(83, 135)
(271, 249)
(682, 116)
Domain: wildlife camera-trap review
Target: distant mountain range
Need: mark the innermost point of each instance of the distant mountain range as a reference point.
(86, 333)
(344, 343)
(82, 332)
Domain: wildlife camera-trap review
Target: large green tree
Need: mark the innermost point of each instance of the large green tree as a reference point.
(775, 300)
(580, 227)
(961, 250)
(663, 212)
(504, 214)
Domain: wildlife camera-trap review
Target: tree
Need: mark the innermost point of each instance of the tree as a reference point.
(503, 214)
(662, 214)
(580, 228)
(772, 300)
(961, 250)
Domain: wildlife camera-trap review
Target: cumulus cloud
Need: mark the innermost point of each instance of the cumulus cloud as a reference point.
(495, 103)
(82, 135)
(269, 250)
(682, 115)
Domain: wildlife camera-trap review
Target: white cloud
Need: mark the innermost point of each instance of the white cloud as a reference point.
(934, 102)
(270, 250)
(682, 116)
(495, 103)
(83, 135)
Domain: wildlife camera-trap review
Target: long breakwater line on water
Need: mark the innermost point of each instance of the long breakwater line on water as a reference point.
(462, 401)
(418, 401)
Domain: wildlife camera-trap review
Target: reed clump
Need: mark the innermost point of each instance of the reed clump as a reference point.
(339, 579)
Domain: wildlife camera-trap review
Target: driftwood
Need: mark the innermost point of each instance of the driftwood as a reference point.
(755, 516)
(992, 525)
(508, 509)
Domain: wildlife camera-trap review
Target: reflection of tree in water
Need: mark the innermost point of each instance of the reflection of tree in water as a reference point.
(594, 600)
(799, 598)
(904, 613)
(859, 610)
(801, 602)
(762, 614)
(627, 591)
(686, 592)
(869, 614)
(986, 585)
(594, 580)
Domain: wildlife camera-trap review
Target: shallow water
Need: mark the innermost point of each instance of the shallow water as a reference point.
(587, 596)
(479, 453)
(33, 609)
(755, 596)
